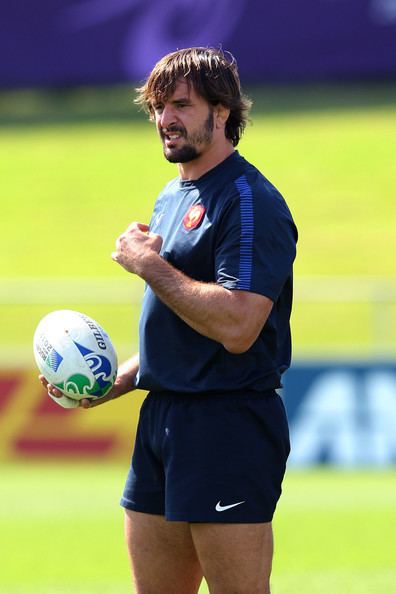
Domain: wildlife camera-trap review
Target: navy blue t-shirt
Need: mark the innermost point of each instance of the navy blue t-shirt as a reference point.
(231, 227)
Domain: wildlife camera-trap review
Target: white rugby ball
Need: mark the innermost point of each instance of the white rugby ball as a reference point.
(75, 354)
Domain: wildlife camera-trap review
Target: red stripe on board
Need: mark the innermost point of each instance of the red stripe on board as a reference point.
(56, 447)
(46, 406)
(8, 385)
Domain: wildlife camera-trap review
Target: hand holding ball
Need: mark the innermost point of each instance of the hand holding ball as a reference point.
(75, 355)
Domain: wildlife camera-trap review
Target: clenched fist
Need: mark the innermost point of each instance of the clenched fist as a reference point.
(135, 248)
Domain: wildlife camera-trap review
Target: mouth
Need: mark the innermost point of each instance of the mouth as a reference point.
(171, 138)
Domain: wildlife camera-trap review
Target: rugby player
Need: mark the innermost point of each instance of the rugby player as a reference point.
(217, 256)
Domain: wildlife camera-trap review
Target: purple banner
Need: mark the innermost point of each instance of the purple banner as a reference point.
(68, 42)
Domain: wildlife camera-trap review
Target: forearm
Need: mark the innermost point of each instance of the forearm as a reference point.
(204, 306)
(208, 308)
(232, 318)
(126, 375)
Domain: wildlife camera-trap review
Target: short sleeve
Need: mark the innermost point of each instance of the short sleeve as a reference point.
(256, 240)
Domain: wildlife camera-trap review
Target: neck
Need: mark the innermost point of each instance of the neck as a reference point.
(205, 162)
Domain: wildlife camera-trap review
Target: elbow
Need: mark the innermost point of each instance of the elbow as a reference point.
(238, 344)
(236, 349)
(242, 332)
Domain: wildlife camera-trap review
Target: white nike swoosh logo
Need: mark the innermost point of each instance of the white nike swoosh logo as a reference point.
(221, 508)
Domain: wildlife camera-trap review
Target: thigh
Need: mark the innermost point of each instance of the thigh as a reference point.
(162, 555)
(235, 558)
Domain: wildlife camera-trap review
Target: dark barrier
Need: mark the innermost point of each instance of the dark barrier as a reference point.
(342, 414)
(69, 42)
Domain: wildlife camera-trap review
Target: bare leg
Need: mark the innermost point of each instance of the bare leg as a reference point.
(162, 555)
(235, 558)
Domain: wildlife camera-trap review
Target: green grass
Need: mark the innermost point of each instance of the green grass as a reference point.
(61, 532)
(334, 533)
(69, 189)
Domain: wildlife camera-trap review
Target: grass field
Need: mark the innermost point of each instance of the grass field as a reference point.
(61, 532)
(70, 188)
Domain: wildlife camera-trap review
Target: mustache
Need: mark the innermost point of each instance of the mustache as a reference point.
(172, 130)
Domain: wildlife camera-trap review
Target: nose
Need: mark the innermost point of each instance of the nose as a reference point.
(167, 116)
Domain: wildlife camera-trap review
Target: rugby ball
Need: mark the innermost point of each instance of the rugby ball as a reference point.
(75, 354)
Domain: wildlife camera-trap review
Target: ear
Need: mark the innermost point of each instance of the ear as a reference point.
(221, 115)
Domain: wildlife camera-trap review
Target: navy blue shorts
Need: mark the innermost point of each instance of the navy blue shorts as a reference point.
(215, 457)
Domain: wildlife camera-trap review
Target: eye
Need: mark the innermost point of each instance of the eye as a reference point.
(181, 104)
(158, 108)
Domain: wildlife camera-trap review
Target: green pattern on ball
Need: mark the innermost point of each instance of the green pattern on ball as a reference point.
(98, 390)
(80, 385)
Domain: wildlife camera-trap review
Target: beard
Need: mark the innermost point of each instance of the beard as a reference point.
(191, 148)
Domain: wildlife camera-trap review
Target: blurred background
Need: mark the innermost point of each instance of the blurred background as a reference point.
(79, 162)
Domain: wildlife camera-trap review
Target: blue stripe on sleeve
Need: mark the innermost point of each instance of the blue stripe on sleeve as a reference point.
(247, 233)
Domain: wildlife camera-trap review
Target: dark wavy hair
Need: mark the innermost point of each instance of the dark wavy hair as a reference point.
(211, 72)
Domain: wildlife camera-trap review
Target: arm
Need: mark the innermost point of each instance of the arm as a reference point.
(232, 318)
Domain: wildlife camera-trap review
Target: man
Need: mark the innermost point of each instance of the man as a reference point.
(212, 440)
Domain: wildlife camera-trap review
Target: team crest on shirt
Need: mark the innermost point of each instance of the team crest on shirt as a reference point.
(193, 216)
